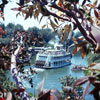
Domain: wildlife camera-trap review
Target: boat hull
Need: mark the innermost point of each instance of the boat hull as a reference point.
(45, 67)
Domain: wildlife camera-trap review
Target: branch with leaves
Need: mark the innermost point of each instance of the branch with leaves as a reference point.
(14, 72)
(68, 14)
(72, 13)
(94, 80)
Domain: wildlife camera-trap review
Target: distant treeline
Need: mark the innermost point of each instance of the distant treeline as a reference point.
(47, 34)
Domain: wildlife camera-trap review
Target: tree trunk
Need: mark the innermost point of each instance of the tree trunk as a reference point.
(15, 76)
(9, 96)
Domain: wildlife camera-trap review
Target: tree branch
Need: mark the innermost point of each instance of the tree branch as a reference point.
(55, 15)
(83, 31)
(68, 12)
(14, 73)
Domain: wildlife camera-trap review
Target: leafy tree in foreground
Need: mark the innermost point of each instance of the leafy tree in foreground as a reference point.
(17, 55)
(94, 80)
(62, 14)
(70, 92)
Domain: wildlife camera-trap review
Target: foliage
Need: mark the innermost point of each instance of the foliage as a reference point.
(30, 94)
(19, 27)
(62, 15)
(10, 25)
(22, 59)
(9, 29)
(93, 58)
(2, 25)
(94, 80)
(6, 84)
(5, 81)
(87, 72)
(46, 34)
(68, 91)
(35, 30)
(65, 14)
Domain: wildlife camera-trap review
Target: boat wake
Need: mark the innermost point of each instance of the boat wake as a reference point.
(38, 69)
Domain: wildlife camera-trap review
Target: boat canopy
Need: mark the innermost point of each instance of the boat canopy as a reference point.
(58, 46)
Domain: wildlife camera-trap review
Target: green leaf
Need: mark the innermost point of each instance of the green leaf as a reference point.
(30, 94)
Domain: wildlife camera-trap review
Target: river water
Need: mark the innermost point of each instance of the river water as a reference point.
(52, 76)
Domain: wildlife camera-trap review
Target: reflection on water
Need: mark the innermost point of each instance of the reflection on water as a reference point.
(52, 76)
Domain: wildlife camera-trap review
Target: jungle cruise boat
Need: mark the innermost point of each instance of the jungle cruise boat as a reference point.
(53, 58)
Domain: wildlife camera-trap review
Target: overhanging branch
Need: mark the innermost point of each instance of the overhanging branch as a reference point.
(68, 12)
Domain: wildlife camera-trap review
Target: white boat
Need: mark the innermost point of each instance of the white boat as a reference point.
(53, 58)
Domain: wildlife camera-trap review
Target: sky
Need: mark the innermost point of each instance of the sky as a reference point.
(10, 17)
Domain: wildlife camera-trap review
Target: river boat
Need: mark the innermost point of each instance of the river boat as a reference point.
(79, 68)
(53, 58)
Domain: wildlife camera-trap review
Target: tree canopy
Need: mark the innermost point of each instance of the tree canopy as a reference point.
(63, 15)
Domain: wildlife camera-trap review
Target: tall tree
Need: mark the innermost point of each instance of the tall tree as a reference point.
(63, 14)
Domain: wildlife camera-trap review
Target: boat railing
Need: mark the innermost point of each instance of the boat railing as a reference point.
(60, 57)
(54, 52)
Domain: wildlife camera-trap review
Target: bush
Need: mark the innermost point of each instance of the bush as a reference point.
(75, 93)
